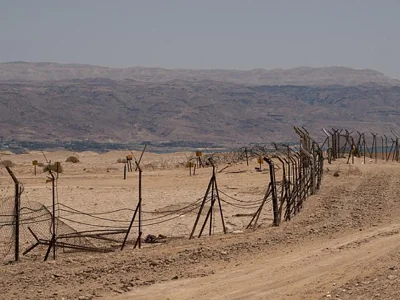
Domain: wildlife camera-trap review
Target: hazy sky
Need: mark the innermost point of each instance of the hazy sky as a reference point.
(228, 34)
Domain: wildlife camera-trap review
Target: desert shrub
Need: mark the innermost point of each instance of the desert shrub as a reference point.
(121, 160)
(72, 159)
(40, 164)
(7, 163)
(53, 167)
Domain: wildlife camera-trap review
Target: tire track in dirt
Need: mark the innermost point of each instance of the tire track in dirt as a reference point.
(360, 211)
(305, 274)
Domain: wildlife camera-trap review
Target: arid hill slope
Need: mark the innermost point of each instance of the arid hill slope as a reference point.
(46, 102)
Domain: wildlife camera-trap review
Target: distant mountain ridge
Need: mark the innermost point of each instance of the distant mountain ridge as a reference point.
(81, 104)
(301, 76)
(218, 113)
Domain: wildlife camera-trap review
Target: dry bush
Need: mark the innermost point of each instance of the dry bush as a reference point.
(40, 164)
(53, 167)
(121, 160)
(72, 159)
(7, 163)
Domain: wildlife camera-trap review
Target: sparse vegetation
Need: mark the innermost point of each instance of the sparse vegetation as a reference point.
(7, 163)
(163, 164)
(72, 159)
(121, 160)
(55, 167)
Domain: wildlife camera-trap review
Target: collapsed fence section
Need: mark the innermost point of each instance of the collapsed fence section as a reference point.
(55, 227)
(293, 174)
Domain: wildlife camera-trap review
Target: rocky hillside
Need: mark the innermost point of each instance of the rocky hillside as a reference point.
(219, 113)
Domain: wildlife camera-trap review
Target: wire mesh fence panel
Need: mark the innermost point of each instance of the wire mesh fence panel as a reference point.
(7, 228)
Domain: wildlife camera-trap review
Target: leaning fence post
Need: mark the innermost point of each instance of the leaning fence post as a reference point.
(16, 213)
(53, 219)
(275, 206)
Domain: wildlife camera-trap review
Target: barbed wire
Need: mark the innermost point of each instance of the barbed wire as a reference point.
(74, 213)
(185, 210)
(238, 200)
(178, 216)
(27, 223)
(89, 224)
(241, 206)
(177, 210)
(99, 213)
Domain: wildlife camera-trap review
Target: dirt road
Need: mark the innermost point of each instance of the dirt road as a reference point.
(303, 273)
(318, 268)
(344, 244)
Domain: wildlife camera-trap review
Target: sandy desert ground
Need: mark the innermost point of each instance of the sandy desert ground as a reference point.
(344, 244)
